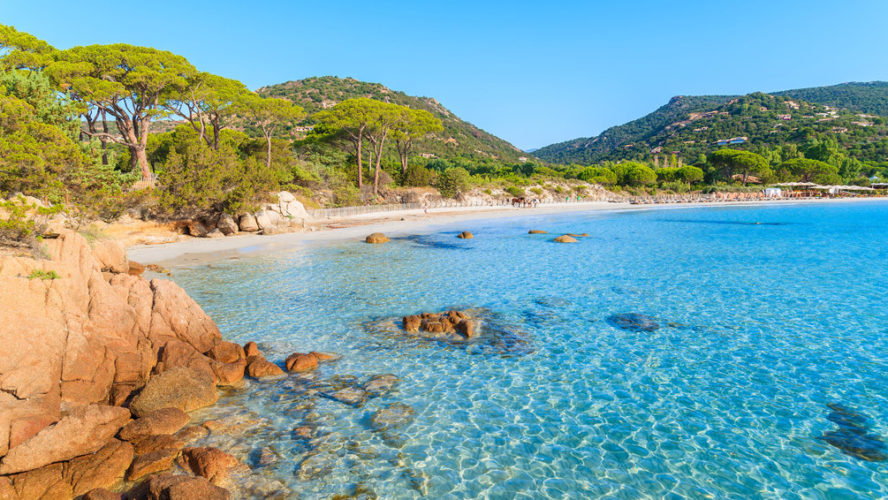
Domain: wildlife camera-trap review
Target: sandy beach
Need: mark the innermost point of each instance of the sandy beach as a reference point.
(399, 223)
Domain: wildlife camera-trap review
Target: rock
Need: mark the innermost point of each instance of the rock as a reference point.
(466, 328)
(285, 197)
(230, 374)
(412, 323)
(580, 235)
(266, 219)
(303, 432)
(294, 209)
(377, 238)
(349, 395)
(216, 233)
(394, 415)
(85, 429)
(180, 387)
(465, 235)
(191, 433)
(196, 228)
(251, 349)
(565, 239)
(380, 384)
(300, 362)
(175, 316)
(248, 223)
(211, 463)
(135, 269)
(149, 463)
(325, 356)
(176, 353)
(226, 225)
(267, 456)
(228, 352)
(100, 494)
(259, 367)
(111, 256)
(633, 322)
(537, 231)
(162, 421)
(46, 482)
(269, 230)
(159, 442)
(103, 469)
(170, 487)
(7, 491)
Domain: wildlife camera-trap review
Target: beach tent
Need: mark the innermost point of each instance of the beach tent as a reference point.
(772, 192)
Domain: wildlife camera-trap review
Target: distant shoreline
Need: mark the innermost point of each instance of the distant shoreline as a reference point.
(400, 223)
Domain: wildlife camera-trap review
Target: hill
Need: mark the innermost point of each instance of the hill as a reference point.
(459, 138)
(870, 97)
(694, 125)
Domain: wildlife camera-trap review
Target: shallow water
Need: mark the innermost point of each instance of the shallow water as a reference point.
(764, 315)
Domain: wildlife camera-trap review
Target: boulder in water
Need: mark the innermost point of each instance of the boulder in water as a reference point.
(565, 239)
(377, 238)
(394, 415)
(465, 235)
(633, 322)
(537, 231)
(853, 437)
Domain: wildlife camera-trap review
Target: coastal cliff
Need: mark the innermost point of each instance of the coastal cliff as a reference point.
(81, 339)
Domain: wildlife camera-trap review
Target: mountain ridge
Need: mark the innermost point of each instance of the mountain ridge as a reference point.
(645, 134)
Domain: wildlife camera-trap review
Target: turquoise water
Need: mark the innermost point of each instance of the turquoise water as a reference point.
(766, 315)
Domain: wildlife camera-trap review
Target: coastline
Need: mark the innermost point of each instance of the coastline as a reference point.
(400, 223)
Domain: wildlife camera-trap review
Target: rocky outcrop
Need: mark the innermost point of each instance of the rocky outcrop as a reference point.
(453, 325)
(95, 339)
(377, 238)
(465, 235)
(211, 463)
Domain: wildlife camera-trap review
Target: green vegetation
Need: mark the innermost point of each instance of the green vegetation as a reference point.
(43, 275)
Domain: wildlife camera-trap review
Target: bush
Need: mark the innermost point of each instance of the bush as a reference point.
(43, 275)
(418, 176)
(537, 191)
(453, 181)
(515, 191)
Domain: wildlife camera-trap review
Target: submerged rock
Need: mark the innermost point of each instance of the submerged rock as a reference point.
(394, 415)
(633, 322)
(853, 436)
(379, 385)
(565, 239)
(353, 396)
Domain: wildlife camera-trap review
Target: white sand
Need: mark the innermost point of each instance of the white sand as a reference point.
(201, 250)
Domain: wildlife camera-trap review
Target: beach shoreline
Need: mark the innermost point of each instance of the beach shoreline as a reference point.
(195, 251)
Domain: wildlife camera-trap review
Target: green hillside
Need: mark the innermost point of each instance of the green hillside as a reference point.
(691, 126)
(459, 139)
(870, 97)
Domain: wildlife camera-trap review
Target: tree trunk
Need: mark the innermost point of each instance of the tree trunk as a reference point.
(268, 151)
(359, 142)
(139, 158)
(104, 139)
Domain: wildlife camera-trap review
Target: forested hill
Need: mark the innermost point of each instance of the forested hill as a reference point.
(693, 125)
(589, 150)
(459, 138)
(869, 97)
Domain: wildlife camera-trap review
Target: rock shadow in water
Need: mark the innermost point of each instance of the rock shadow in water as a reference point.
(495, 335)
(633, 322)
(434, 241)
(853, 435)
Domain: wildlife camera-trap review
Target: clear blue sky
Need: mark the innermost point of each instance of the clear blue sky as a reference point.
(532, 73)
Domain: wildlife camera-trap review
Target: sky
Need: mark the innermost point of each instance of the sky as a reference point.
(533, 73)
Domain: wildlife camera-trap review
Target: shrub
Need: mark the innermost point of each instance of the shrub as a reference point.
(418, 176)
(453, 181)
(43, 275)
(537, 191)
(515, 191)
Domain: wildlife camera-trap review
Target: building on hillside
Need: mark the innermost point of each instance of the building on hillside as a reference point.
(862, 124)
(784, 117)
(839, 130)
(522, 159)
(656, 150)
(429, 156)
